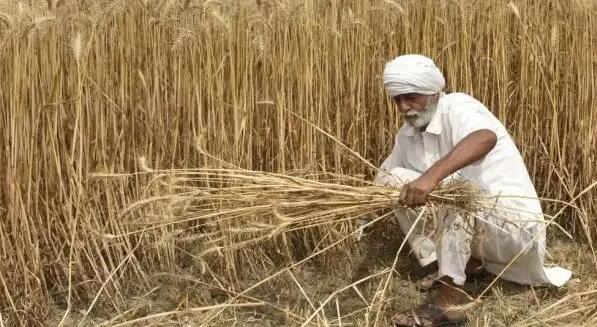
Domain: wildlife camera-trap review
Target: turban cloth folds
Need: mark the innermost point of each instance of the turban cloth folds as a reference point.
(412, 74)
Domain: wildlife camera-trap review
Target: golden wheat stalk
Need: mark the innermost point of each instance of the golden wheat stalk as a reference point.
(232, 203)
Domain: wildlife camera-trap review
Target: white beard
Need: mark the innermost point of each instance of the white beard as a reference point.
(420, 119)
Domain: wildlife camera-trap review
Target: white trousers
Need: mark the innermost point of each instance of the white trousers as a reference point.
(493, 238)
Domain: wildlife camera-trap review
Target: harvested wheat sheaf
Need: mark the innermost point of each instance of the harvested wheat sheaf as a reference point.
(249, 206)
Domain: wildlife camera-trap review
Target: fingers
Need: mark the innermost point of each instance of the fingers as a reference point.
(419, 198)
(416, 198)
(413, 197)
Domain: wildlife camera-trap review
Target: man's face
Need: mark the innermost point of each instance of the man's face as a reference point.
(416, 109)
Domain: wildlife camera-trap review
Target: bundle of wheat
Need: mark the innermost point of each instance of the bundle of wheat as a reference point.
(249, 206)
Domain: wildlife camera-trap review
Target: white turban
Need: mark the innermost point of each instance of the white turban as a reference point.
(412, 74)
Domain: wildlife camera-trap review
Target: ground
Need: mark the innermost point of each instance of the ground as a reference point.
(506, 304)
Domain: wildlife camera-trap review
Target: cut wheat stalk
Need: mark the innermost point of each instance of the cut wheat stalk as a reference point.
(236, 203)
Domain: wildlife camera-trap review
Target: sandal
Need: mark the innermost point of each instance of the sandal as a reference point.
(427, 315)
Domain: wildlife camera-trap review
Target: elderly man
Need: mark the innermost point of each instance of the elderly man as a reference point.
(453, 135)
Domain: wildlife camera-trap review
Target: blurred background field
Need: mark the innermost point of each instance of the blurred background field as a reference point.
(89, 87)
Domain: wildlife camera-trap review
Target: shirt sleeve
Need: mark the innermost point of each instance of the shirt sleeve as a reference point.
(470, 116)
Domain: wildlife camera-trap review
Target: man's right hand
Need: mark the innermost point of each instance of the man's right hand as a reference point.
(416, 193)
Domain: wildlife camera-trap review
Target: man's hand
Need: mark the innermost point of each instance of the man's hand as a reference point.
(416, 193)
(473, 147)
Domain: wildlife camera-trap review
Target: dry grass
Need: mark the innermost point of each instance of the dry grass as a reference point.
(88, 87)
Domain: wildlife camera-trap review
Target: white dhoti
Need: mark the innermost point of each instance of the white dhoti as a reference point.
(493, 237)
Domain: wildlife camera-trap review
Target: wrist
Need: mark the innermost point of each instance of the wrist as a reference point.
(434, 176)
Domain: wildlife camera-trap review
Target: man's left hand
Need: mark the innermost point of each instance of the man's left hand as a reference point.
(416, 193)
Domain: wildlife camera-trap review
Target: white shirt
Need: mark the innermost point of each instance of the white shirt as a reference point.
(500, 173)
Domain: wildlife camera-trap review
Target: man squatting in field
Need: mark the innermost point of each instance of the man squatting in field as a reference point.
(454, 135)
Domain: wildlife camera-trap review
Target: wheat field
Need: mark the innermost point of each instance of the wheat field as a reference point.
(97, 95)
